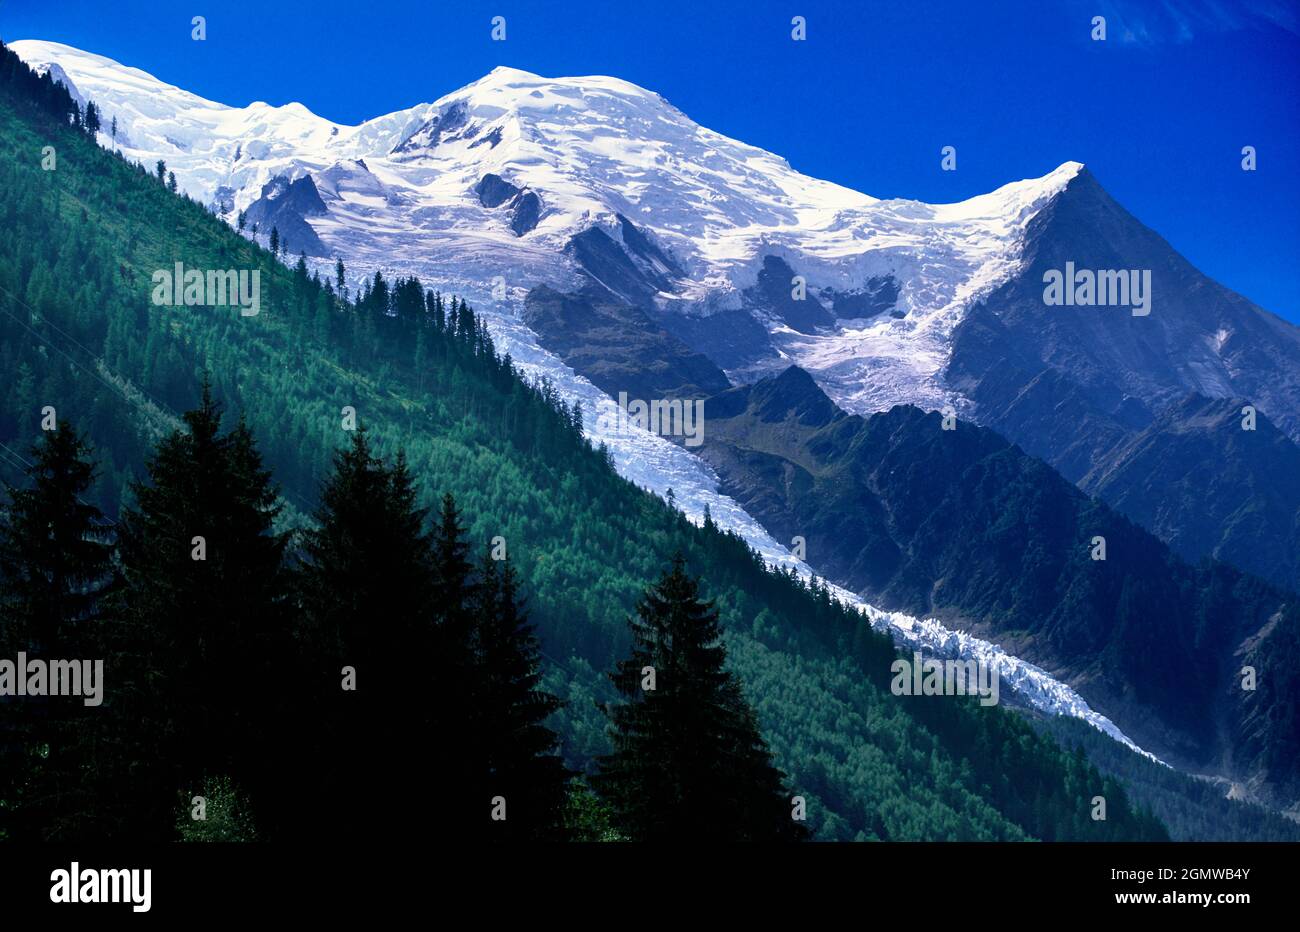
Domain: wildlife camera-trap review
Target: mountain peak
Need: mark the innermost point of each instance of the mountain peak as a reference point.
(518, 89)
(506, 71)
(792, 393)
(702, 215)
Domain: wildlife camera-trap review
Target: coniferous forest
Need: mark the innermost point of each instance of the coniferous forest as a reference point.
(352, 575)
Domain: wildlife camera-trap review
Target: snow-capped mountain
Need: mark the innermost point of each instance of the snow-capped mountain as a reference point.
(422, 191)
(499, 177)
(517, 181)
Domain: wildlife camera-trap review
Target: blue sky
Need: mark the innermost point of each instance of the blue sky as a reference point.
(1159, 111)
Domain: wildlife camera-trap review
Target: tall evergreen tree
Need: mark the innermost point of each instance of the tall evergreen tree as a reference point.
(92, 119)
(203, 611)
(368, 588)
(55, 549)
(55, 573)
(688, 760)
(521, 767)
(454, 687)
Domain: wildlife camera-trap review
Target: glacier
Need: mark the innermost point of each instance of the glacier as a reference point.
(657, 464)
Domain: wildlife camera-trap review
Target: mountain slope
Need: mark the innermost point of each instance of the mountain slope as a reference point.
(78, 330)
(963, 524)
(1204, 485)
(1199, 336)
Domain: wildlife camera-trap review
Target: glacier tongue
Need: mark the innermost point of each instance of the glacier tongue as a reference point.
(654, 463)
(657, 464)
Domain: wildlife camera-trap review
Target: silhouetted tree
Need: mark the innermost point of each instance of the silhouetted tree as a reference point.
(688, 760)
(204, 611)
(519, 760)
(55, 573)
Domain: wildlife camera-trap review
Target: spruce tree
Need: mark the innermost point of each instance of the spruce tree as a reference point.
(688, 760)
(55, 573)
(203, 612)
(55, 548)
(510, 710)
(92, 119)
(367, 588)
(454, 690)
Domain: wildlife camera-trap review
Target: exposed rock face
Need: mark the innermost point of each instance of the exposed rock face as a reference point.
(774, 294)
(618, 347)
(525, 206)
(493, 191)
(285, 205)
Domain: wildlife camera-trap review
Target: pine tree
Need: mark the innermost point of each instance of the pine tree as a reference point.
(688, 760)
(55, 573)
(454, 688)
(55, 550)
(203, 608)
(92, 119)
(511, 708)
(368, 587)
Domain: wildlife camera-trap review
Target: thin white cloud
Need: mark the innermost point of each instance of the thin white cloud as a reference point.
(1144, 22)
